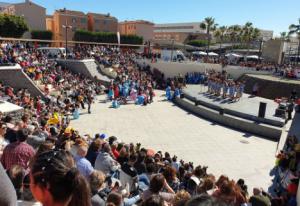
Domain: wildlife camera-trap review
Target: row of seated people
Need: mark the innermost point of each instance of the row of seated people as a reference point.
(71, 169)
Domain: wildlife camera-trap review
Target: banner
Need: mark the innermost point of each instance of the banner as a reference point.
(119, 38)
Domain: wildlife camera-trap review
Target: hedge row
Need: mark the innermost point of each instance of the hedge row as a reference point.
(41, 34)
(198, 43)
(106, 37)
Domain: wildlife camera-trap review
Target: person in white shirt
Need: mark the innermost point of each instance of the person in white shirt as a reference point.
(3, 142)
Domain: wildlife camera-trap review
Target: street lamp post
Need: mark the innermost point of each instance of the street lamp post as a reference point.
(66, 27)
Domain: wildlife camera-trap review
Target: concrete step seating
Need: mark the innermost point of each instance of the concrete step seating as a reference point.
(52, 91)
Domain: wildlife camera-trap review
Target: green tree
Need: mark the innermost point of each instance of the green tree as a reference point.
(209, 25)
(234, 33)
(295, 29)
(41, 34)
(12, 26)
(189, 38)
(220, 34)
(198, 43)
(249, 34)
(285, 37)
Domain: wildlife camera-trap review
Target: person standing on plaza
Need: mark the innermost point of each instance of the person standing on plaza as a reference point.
(255, 89)
(89, 99)
(290, 109)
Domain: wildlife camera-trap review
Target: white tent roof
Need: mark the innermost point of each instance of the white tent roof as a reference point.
(252, 57)
(233, 55)
(200, 53)
(213, 54)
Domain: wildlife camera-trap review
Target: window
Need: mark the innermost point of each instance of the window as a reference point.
(73, 20)
(83, 20)
(105, 22)
(97, 21)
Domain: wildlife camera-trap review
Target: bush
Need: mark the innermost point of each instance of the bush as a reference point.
(131, 39)
(12, 26)
(240, 46)
(198, 43)
(41, 34)
(106, 37)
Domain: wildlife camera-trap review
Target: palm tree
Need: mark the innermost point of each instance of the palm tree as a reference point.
(249, 34)
(285, 37)
(295, 29)
(220, 34)
(209, 25)
(234, 33)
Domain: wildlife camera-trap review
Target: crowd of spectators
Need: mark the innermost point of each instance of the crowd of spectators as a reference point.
(44, 159)
(282, 70)
(71, 169)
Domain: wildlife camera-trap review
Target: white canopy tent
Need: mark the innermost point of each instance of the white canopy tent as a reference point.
(213, 54)
(199, 53)
(253, 57)
(233, 55)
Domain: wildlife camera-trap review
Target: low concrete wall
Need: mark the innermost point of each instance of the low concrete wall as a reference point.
(269, 89)
(106, 71)
(76, 66)
(171, 69)
(227, 120)
(86, 67)
(16, 78)
(235, 113)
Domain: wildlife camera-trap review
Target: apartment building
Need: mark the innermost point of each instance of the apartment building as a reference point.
(178, 31)
(73, 20)
(102, 23)
(140, 28)
(76, 20)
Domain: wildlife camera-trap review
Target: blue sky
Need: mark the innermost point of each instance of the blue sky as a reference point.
(274, 15)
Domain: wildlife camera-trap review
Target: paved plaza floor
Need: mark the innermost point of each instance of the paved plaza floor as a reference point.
(163, 126)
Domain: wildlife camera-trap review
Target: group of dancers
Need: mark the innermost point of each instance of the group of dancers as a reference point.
(225, 88)
(121, 93)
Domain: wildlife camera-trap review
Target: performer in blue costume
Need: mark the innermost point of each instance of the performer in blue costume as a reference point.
(168, 93)
(76, 112)
(110, 94)
(231, 90)
(115, 104)
(140, 100)
(177, 92)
